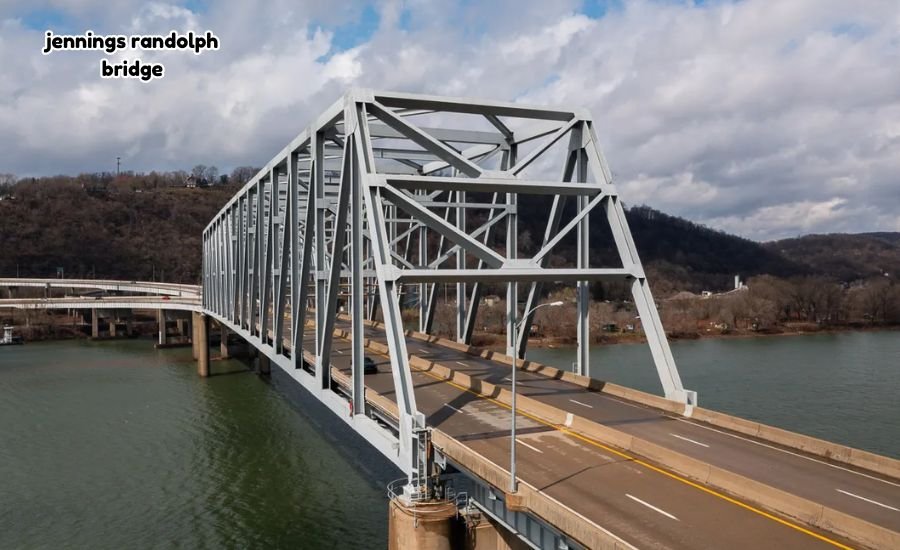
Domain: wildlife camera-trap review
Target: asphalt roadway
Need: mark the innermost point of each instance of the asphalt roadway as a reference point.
(644, 504)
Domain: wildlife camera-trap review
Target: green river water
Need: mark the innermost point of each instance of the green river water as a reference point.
(119, 445)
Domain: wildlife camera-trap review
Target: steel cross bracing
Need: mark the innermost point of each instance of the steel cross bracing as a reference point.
(385, 197)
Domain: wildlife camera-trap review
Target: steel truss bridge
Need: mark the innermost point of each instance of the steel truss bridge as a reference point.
(355, 202)
(380, 201)
(386, 198)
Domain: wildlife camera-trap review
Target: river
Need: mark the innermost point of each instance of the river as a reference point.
(119, 445)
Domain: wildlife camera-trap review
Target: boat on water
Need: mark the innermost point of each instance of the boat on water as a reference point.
(9, 340)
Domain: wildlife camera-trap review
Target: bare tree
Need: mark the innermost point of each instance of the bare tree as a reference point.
(211, 174)
(242, 174)
(199, 172)
(7, 181)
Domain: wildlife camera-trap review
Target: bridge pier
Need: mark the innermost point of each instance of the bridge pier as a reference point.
(223, 342)
(95, 323)
(422, 526)
(201, 343)
(265, 364)
(163, 337)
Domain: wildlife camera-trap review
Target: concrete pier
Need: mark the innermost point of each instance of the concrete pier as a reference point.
(195, 341)
(423, 526)
(163, 337)
(223, 342)
(265, 365)
(95, 324)
(201, 343)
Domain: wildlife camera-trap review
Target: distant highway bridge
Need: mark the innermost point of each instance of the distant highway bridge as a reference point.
(387, 196)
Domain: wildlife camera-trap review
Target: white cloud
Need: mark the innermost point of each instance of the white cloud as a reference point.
(763, 118)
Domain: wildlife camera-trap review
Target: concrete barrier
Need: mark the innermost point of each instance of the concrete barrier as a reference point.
(835, 452)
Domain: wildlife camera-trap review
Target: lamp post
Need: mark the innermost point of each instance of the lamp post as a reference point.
(513, 484)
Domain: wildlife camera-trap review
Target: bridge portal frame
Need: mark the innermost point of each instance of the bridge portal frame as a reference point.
(366, 198)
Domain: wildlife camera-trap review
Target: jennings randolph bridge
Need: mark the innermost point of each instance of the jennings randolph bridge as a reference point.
(386, 198)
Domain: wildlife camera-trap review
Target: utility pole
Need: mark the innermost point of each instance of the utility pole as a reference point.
(118, 165)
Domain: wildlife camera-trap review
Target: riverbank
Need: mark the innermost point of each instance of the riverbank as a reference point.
(497, 342)
(61, 327)
(49, 327)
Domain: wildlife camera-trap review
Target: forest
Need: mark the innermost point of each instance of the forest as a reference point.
(148, 227)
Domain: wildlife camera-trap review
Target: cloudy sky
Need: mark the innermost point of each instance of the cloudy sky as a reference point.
(764, 118)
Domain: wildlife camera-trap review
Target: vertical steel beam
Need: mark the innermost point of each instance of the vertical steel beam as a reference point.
(318, 176)
(512, 247)
(423, 264)
(356, 267)
(461, 264)
(583, 295)
(286, 220)
(252, 295)
(265, 304)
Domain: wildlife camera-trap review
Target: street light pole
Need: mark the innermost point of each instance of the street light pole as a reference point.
(513, 483)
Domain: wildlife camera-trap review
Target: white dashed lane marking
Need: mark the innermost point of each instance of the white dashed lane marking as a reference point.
(875, 502)
(652, 507)
(529, 446)
(689, 440)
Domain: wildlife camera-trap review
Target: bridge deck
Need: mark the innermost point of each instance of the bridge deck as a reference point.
(176, 303)
(636, 501)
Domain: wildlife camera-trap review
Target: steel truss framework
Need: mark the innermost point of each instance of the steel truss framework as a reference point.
(387, 196)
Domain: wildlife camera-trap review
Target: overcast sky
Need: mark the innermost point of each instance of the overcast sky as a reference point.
(768, 119)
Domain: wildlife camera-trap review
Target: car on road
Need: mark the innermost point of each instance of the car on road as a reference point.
(369, 366)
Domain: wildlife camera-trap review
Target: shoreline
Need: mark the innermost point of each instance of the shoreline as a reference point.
(59, 332)
(555, 342)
